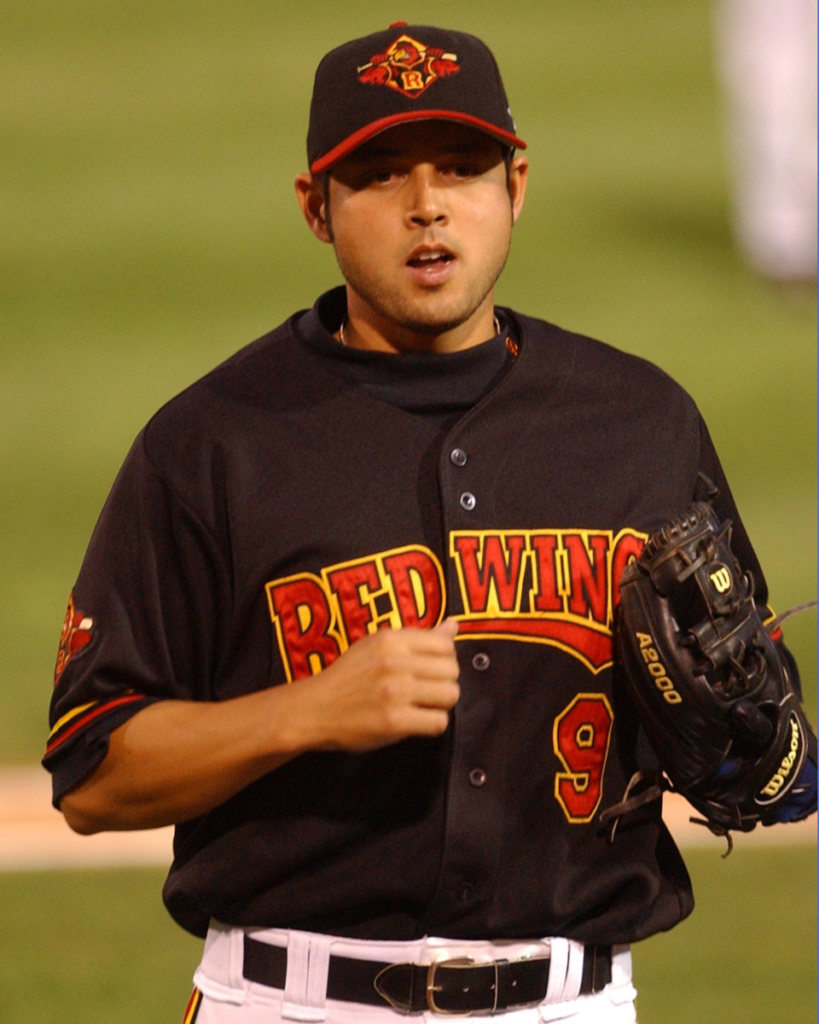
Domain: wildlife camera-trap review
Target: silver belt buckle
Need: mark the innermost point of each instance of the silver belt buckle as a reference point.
(456, 962)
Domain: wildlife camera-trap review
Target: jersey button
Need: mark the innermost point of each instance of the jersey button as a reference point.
(481, 662)
(466, 892)
(458, 457)
(468, 501)
(477, 777)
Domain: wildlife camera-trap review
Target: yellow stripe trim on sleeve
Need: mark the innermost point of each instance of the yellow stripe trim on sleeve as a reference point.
(70, 715)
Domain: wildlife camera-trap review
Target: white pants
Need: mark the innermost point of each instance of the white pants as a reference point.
(224, 996)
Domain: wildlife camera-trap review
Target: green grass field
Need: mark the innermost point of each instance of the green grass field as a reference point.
(150, 228)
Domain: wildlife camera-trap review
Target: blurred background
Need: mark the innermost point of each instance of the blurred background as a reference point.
(149, 229)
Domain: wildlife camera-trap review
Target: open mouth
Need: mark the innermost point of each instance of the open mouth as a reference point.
(431, 258)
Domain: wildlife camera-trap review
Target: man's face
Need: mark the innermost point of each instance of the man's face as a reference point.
(421, 219)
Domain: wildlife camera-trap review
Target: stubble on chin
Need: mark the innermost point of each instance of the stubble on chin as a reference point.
(429, 314)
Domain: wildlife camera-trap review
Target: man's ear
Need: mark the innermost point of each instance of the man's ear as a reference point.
(313, 203)
(517, 178)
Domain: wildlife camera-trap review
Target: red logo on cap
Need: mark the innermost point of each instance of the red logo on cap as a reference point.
(409, 67)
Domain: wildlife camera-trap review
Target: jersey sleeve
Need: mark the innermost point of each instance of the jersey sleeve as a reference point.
(713, 485)
(141, 623)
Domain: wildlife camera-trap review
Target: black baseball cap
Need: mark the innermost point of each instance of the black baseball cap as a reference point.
(405, 73)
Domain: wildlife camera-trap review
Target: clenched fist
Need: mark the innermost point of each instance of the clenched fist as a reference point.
(384, 688)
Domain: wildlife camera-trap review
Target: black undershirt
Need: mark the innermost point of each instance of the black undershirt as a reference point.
(438, 386)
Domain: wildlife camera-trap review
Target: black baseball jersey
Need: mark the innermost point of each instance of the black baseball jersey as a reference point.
(302, 495)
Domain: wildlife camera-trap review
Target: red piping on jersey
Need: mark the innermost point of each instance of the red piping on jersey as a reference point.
(82, 722)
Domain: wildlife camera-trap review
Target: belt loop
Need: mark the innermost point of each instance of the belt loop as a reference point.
(305, 987)
(317, 973)
(236, 957)
(574, 969)
(219, 975)
(558, 962)
(565, 970)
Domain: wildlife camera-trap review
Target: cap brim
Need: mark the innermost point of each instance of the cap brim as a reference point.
(363, 135)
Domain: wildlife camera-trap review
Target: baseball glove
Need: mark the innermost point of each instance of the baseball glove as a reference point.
(716, 695)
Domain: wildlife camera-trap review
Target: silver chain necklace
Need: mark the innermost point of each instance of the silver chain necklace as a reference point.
(343, 342)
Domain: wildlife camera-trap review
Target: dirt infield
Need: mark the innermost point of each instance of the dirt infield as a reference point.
(33, 836)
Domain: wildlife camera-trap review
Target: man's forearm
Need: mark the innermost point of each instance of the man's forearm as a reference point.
(175, 760)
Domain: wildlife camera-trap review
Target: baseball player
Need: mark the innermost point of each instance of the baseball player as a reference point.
(347, 618)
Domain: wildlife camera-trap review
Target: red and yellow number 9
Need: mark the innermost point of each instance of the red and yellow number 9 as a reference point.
(581, 741)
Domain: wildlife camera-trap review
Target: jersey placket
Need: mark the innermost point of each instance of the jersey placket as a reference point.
(474, 815)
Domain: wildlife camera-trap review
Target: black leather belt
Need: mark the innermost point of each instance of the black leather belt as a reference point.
(446, 987)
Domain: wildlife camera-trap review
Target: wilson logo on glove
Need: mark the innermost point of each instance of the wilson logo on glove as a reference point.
(785, 772)
(722, 580)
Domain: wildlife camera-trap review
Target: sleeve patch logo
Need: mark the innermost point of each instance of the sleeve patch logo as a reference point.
(77, 634)
(408, 66)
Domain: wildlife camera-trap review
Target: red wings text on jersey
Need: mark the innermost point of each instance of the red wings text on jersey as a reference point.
(557, 587)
